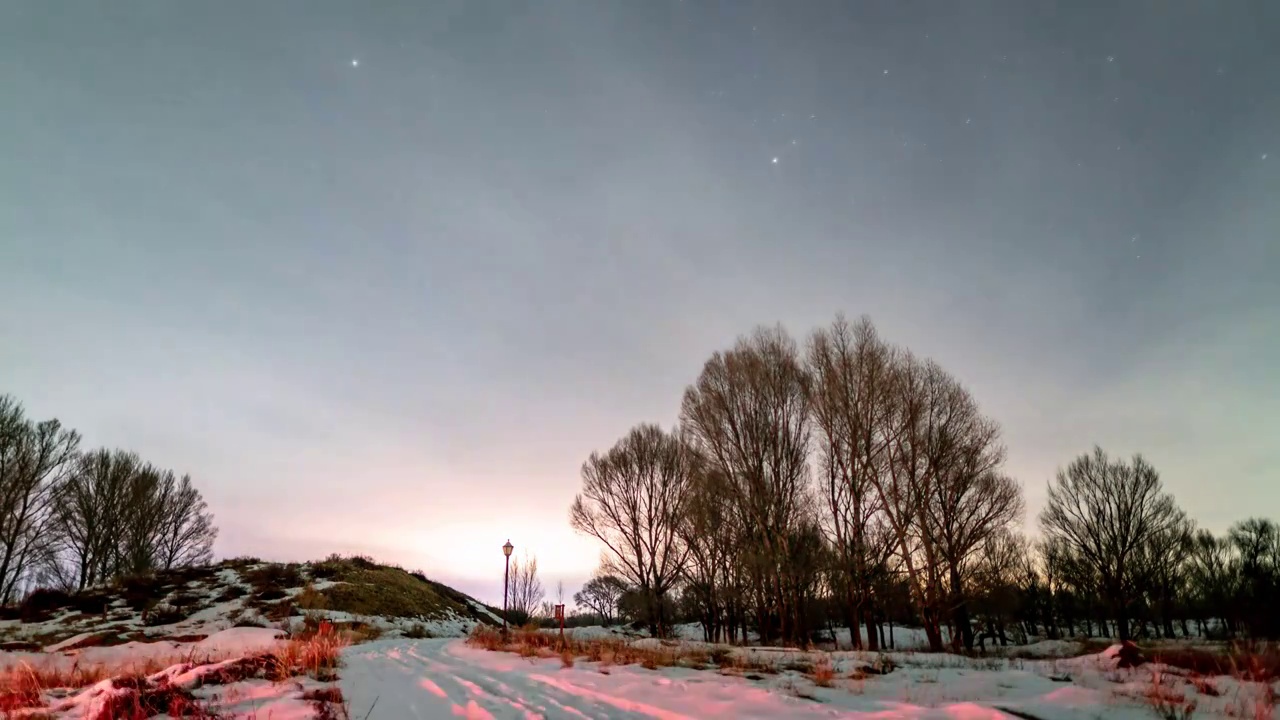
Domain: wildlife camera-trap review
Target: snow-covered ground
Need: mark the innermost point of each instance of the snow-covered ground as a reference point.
(438, 679)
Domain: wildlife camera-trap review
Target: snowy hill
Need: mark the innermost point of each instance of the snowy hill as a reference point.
(188, 604)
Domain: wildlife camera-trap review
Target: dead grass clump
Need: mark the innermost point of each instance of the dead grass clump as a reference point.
(1204, 685)
(485, 637)
(310, 598)
(418, 631)
(1251, 661)
(823, 673)
(274, 577)
(803, 667)
(20, 680)
(232, 592)
(328, 702)
(136, 699)
(20, 689)
(166, 614)
(1258, 705)
(140, 591)
(566, 658)
(316, 655)
(1166, 700)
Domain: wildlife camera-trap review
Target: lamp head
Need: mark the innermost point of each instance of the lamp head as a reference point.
(506, 549)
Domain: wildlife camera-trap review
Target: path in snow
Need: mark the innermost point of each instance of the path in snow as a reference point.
(439, 679)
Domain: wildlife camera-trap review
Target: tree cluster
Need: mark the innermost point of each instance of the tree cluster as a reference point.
(73, 518)
(850, 483)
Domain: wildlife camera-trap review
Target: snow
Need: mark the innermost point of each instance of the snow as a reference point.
(74, 640)
(445, 678)
(437, 679)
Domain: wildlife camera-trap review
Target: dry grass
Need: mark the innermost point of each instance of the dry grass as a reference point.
(328, 703)
(1257, 702)
(529, 642)
(823, 673)
(1166, 700)
(1204, 685)
(316, 654)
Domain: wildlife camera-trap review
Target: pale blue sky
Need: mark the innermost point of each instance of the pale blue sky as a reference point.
(381, 276)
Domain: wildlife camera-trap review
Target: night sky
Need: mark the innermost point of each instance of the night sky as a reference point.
(380, 276)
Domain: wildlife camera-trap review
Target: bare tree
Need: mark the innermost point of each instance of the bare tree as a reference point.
(526, 589)
(969, 500)
(600, 595)
(1104, 511)
(33, 457)
(90, 513)
(851, 368)
(748, 414)
(1161, 567)
(632, 500)
(186, 534)
(711, 533)
(905, 487)
(1212, 580)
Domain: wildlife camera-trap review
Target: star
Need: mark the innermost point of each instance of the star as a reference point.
(1264, 156)
(355, 62)
(1111, 58)
(886, 72)
(775, 161)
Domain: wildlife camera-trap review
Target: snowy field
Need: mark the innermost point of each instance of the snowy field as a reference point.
(447, 678)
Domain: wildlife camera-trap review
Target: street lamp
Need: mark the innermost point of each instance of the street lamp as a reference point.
(506, 577)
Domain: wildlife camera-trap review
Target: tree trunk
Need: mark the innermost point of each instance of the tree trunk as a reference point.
(961, 615)
(872, 643)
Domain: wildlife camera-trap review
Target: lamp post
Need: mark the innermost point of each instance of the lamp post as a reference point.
(506, 578)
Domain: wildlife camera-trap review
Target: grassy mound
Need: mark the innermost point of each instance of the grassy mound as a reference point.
(190, 603)
(362, 587)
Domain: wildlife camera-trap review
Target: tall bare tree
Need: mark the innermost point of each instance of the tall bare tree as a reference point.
(905, 488)
(186, 534)
(748, 414)
(1105, 511)
(526, 589)
(91, 513)
(711, 534)
(633, 499)
(851, 368)
(968, 500)
(33, 457)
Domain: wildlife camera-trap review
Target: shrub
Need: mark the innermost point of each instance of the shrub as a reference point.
(823, 673)
(165, 614)
(42, 603)
(232, 592)
(274, 578)
(1167, 701)
(418, 631)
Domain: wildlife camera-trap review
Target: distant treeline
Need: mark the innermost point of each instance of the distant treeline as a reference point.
(73, 518)
(850, 483)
